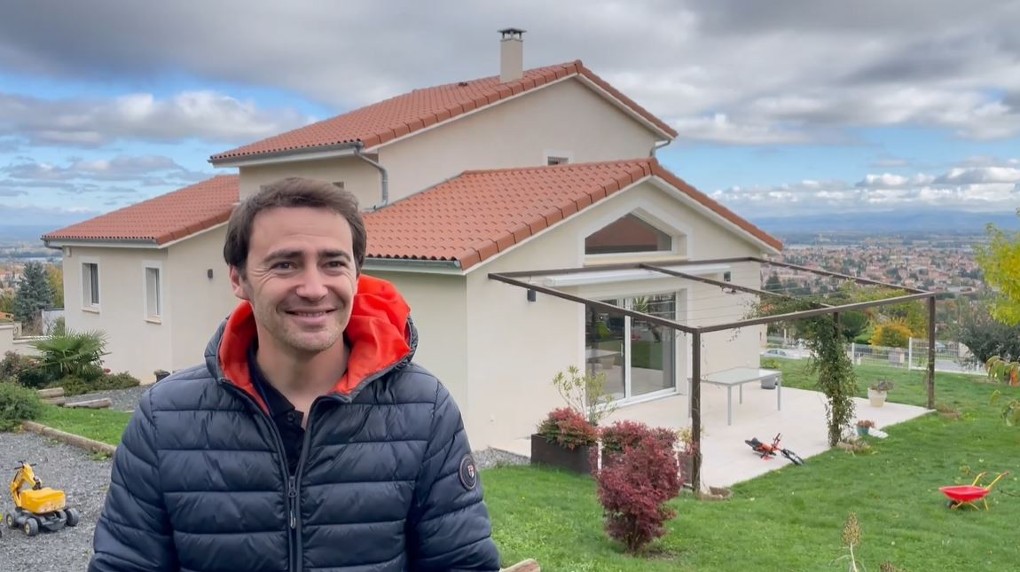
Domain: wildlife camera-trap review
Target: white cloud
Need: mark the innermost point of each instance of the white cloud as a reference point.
(979, 175)
(203, 115)
(992, 188)
(117, 168)
(720, 128)
(888, 180)
(723, 71)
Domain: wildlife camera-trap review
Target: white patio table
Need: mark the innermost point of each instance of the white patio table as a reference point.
(738, 376)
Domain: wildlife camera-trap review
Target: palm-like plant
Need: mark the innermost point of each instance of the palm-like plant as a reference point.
(72, 353)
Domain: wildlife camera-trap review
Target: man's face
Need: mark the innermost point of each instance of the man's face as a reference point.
(300, 279)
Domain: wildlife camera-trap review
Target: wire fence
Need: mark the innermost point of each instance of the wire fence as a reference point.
(949, 356)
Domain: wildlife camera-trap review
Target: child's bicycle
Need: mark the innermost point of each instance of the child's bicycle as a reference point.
(767, 451)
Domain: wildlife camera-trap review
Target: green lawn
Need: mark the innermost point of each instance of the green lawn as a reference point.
(790, 519)
(102, 425)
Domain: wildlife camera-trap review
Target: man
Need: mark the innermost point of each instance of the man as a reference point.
(308, 440)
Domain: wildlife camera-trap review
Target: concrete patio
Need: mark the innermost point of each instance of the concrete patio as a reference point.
(727, 460)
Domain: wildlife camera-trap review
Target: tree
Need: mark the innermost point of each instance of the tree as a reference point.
(1000, 262)
(55, 276)
(6, 302)
(853, 324)
(894, 334)
(985, 336)
(34, 294)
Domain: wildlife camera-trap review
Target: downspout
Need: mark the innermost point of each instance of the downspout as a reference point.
(658, 145)
(382, 170)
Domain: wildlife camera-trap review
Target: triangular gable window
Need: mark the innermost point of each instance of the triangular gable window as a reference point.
(628, 234)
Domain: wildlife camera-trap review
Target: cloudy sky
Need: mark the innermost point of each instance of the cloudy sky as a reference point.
(783, 107)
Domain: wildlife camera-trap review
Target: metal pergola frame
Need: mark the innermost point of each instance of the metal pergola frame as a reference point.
(913, 294)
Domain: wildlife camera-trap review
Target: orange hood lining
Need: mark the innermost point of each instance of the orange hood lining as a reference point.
(378, 333)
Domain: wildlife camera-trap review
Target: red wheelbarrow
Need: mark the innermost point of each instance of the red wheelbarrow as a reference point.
(966, 494)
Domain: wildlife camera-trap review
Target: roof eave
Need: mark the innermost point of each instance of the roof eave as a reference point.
(415, 265)
(691, 202)
(288, 156)
(57, 243)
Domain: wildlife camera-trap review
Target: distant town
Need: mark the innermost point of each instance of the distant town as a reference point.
(927, 261)
(930, 261)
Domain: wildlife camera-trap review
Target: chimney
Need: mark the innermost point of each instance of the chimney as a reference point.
(511, 55)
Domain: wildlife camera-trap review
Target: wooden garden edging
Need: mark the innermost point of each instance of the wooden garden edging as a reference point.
(70, 438)
(529, 565)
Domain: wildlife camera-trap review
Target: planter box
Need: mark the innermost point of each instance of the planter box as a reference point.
(550, 454)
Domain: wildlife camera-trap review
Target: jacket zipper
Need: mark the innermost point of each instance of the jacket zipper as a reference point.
(292, 535)
(297, 563)
(294, 543)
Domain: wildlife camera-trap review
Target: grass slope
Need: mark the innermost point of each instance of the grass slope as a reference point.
(792, 519)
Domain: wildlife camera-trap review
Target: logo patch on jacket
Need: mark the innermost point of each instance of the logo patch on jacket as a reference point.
(468, 472)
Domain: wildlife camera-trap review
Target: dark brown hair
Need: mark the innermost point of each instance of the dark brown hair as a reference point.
(292, 192)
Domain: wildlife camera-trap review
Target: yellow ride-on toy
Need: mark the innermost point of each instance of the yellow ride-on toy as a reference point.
(38, 508)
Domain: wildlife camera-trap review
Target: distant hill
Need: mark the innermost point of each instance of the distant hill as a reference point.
(943, 222)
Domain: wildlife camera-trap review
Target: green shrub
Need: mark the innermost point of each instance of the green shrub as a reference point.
(18, 404)
(72, 353)
(92, 373)
(74, 385)
(122, 380)
(13, 364)
(36, 378)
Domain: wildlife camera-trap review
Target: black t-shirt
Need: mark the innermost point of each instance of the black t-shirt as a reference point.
(287, 419)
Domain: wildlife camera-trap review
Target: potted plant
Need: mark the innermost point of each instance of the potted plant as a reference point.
(564, 439)
(863, 425)
(878, 392)
(686, 455)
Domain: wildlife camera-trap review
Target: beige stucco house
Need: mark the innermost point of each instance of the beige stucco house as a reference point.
(545, 168)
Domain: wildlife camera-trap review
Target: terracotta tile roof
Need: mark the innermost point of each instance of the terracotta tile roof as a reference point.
(162, 219)
(481, 213)
(398, 116)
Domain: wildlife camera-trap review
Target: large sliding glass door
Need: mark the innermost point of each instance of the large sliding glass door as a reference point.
(637, 357)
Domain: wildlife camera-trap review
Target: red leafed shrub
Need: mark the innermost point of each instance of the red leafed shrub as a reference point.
(622, 434)
(568, 428)
(635, 487)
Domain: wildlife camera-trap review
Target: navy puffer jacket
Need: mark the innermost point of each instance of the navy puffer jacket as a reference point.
(385, 483)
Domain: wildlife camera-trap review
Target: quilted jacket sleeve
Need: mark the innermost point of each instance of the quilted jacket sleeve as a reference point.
(451, 530)
(133, 532)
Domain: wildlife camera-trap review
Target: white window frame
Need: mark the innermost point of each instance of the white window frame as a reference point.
(87, 304)
(680, 237)
(160, 301)
(681, 310)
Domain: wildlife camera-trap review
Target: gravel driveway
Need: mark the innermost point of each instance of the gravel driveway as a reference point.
(82, 476)
(120, 399)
